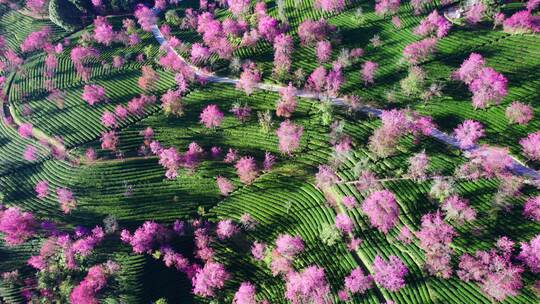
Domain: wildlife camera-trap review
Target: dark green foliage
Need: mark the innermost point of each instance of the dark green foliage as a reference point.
(83, 5)
(65, 14)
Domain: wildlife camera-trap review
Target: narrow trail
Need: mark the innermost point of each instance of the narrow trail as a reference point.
(517, 168)
(38, 135)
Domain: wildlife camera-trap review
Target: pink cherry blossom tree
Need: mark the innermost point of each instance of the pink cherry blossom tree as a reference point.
(486, 162)
(65, 199)
(283, 48)
(170, 160)
(468, 133)
(531, 209)
(109, 140)
(317, 80)
(16, 225)
(171, 102)
(289, 136)
(289, 246)
(344, 223)
(148, 79)
(458, 210)
(25, 130)
(521, 22)
(145, 17)
(332, 6)
(433, 24)
(80, 55)
(95, 280)
(241, 112)
(382, 209)
(357, 282)
(246, 168)
(469, 69)
(287, 102)
(419, 5)
(245, 294)
(29, 153)
(226, 229)
(199, 53)
(488, 88)
(103, 31)
(519, 113)
(349, 202)
(435, 238)
(37, 40)
(42, 189)
(37, 6)
(368, 71)
(389, 274)
(269, 28)
(238, 7)
(209, 279)
(531, 146)
(269, 161)
(323, 50)
(386, 7)
(225, 186)
(211, 116)
(475, 13)
(310, 31)
(249, 78)
(418, 165)
(307, 286)
(258, 250)
(497, 282)
(146, 237)
(325, 177)
(419, 51)
(108, 119)
(530, 254)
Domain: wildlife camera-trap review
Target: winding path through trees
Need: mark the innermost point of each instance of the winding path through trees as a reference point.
(517, 168)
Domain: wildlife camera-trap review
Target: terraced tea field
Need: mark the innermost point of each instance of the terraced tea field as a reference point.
(173, 191)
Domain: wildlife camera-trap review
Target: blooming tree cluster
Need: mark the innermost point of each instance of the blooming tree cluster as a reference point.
(209, 279)
(386, 7)
(519, 113)
(382, 210)
(531, 209)
(468, 133)
(16, 225)
(95, 280)
(521, 22)
(435, 237)
(289, 136)
(287, 103)
(80, 55)
(531, 145)
(493, 270)
(37, 40)
(249, 78)
(308, 286)
(146, 237)
(283, 48)
(93, 93)
(211, 116)
(433, 24)
(488, 86)
(390, 274)
(145, 17)
(247, 170)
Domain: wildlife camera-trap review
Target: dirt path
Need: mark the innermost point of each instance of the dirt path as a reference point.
(517, 168)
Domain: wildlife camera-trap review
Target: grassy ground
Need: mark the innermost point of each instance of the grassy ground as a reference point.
(285, 199)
